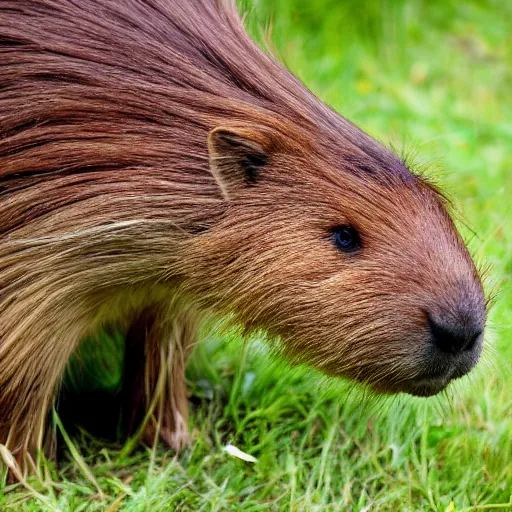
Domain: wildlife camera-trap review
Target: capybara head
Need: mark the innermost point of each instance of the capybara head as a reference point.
(345, 254)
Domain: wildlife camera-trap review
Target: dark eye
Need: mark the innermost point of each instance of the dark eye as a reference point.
(347, 239)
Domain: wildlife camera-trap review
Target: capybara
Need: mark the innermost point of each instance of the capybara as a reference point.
(157, 167)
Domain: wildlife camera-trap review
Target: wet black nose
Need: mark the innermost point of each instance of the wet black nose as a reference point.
(454, 337)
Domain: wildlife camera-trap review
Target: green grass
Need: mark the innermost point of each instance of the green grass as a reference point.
(434, 76)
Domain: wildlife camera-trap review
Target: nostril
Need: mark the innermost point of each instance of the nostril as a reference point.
(453, 338)
(472, 341)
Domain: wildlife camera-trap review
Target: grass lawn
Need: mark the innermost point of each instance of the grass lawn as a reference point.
(433, 78)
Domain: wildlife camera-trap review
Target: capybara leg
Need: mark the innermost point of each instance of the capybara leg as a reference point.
(154, 390)
(29, 377)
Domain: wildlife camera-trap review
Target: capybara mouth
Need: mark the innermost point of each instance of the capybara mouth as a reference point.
(429, 382)
(426, 388)
(415, 387)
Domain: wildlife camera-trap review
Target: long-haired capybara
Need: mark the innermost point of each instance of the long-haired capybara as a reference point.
(156, 167)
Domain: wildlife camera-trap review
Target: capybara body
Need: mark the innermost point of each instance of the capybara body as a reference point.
(157, 167)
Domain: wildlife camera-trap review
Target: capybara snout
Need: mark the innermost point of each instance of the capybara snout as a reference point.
(158, 168)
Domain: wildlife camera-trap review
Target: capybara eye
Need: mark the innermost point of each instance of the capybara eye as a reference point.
(347, 239)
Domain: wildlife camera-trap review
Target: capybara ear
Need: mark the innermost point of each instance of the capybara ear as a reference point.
(237, 157)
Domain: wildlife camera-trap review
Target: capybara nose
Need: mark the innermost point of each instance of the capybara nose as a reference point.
(454, 337)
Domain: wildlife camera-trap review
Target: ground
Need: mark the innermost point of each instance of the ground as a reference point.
(433, 78)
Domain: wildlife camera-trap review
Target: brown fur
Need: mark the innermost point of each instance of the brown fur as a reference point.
(156, 166)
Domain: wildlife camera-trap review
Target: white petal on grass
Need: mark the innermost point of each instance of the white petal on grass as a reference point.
(236, 452)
